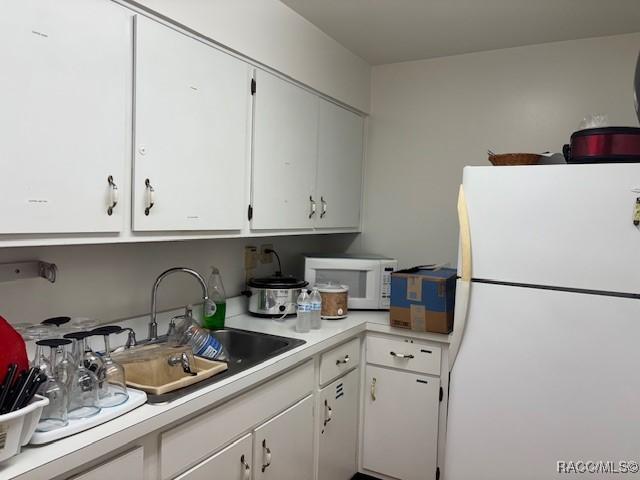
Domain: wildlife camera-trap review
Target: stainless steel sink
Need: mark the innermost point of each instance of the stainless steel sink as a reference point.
(245, 350)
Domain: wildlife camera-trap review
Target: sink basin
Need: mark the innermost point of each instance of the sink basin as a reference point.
(244, 349)
(242, 346)
(149, 368)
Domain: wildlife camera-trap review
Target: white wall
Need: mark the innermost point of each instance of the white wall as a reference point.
(271, 33)
(431, 118)
(110, 282)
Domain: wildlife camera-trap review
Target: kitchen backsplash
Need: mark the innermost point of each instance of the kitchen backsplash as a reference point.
(112, 282)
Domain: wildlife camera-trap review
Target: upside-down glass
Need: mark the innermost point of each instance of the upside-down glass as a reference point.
(83, 385)
(113, 389)
(55, 414)
(66, 364)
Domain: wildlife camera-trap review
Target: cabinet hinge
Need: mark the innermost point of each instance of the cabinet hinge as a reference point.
(253, 86)
(250, 212)
(441, 394)
(437, 473)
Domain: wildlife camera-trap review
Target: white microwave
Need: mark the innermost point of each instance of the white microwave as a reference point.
(367, 276)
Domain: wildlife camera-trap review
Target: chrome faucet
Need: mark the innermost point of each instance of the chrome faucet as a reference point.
(153, 324)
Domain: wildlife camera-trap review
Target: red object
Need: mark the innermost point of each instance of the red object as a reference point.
(12, 349)
(604, 145)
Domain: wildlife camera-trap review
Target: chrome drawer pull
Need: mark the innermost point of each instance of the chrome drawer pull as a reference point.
(150, 196)
(408, 356)
(266, 453)
(312, 202)
(373, 389)
(345, 360)
(247, 469)
(113, 195)
(328, 412)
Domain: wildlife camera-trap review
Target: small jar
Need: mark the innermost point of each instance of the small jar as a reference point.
(335, 298)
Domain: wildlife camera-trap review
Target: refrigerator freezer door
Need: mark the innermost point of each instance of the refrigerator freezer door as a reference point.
(556, 225)
(543, 377)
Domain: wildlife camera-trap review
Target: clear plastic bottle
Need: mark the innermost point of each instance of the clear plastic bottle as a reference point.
(203, 343)
(303, 320)
(218, 296)
(316, 307)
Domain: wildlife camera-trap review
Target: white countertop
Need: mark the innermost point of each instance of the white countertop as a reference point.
(48, 461)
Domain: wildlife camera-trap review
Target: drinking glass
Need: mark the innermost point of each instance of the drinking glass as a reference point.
(83, 385)
(55, 414)
(113, 390)
(90, 359)
(67, 364)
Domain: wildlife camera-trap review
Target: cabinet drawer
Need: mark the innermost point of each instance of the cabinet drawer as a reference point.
(194, 440)
(405, 353)
(339, 360)
(127, 465)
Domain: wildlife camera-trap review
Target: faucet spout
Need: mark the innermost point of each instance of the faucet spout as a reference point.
(153, 324)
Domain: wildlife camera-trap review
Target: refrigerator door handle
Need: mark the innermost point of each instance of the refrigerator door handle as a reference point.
(463, 288)
(465, 236)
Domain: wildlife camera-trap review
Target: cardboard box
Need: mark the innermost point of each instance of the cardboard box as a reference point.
(423, 300)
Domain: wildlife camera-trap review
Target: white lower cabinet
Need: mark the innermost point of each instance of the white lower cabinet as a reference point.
(338, 427)
(231, 463)
(401, 423)
(283, 446)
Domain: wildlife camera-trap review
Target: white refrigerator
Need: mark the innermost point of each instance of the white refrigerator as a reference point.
(545, 377)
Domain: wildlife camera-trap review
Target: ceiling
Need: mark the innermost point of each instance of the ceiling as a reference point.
(388, 31)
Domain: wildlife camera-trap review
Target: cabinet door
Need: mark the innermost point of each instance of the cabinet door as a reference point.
(127, 465)
(339, 182)
(401, 424)
(66, 101)
(231, 463)
(192, 112)
(283, 447)
(285, 142)
(338, 427)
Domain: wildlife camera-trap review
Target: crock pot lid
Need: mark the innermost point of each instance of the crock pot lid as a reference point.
(277, 282)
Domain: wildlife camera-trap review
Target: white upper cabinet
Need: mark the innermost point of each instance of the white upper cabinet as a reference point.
(192, 109)
(285, 142)
(339, 177)
(65, 83)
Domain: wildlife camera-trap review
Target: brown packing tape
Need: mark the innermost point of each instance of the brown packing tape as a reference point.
(414, 288)
(418, 318)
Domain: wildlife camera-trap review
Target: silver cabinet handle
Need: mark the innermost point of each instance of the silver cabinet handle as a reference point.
(113, 195)
(324, 207)
(150, 196)
(246, 473)
(344, 360)
(266, 454)
(373, 389)
(408, 356)
(312, 212)
(328, 412)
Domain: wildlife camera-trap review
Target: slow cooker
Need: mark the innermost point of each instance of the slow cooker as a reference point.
(274, 296)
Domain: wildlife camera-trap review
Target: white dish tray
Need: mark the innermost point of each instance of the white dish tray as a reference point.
(136, 398)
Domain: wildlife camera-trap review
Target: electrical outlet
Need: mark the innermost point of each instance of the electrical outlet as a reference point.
(250, 257)
(264, 256)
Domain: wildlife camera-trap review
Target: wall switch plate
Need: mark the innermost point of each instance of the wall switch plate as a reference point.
(264, 256)
(250, 257)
